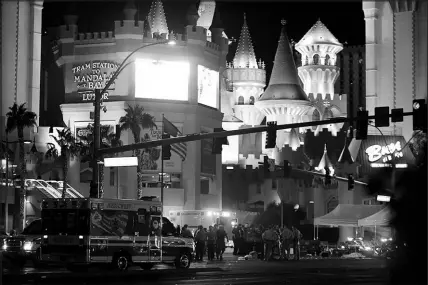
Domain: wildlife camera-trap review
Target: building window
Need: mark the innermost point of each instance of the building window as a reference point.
(316, 59)
(252, 100)
(332, 204)
(274, 184)
(327, 60)
(370, 201)
(315, 117)
(306, 60)
(258, 188)
(241, 100)
(205, 186)
(112, 176)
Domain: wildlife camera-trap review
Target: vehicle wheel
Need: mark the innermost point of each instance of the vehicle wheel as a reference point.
(122, 261)
(182, 261)
(147, 266)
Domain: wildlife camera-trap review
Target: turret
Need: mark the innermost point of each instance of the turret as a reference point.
(284, 100)
(122, 29)
(318, 49)
(69, 30)
(192, 15)
(248, 79)
(217, 28)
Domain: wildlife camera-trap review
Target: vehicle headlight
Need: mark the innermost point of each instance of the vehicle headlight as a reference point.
(368, 248)
(4, 247)
(28, 246)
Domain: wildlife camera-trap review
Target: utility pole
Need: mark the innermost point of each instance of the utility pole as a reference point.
(94, 190)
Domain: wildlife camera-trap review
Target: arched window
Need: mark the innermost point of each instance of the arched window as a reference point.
(328, 114)
(327, 60)
(316, 116)
(332, 204)
(316, 59)
(241, 100)
(306, 60)
(251, 100)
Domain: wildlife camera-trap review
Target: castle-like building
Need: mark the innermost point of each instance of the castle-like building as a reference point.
(196, 89)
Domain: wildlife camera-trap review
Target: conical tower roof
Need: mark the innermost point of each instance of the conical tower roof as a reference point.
(318, 34)
(245, 56)
(157, 19)
(325, 161)
(284, 82)
(345, 155)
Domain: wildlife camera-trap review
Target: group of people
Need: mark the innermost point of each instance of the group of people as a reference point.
(282, 239)
(246, 239)
(213, 241)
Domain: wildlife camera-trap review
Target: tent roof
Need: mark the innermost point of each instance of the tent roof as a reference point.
(347, 215)
(380, 219)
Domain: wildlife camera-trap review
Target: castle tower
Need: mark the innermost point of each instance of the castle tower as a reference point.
(248, 78)
(284, 101)
(319, 72)
(157, 18)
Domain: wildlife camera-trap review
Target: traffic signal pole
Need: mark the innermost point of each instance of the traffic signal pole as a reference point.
(196, 137)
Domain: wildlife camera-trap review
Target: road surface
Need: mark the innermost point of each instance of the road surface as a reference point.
(305, 272)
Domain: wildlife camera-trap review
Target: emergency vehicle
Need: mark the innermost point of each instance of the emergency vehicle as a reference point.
(77, 232)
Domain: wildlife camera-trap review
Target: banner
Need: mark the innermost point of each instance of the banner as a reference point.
(152, 159)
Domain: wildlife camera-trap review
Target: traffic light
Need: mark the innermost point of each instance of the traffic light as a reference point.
(287, 169)
(266, 164)
(166, 149)
(271, 135)
(351, 182)
(219, 142)
(327, 178)
(419, 115)
(362, 125)
(381, 116)
(397, 115)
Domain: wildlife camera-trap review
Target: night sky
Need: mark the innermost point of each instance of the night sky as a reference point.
(344, 19)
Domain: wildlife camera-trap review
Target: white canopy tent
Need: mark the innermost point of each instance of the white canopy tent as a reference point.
(347, 215)
(379, 219)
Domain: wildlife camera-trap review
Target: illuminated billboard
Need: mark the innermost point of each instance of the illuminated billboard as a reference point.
(157, 79)
(208, 82)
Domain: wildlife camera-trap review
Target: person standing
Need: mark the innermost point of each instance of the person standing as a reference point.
(200, 239)
(235, 239)
(269, 238)
(186, 233)
(211, 241)
(287, 240)
(297, 236)
(215, 245)
(221, 241)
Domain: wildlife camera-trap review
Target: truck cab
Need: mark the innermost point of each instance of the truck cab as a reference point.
(24, 246)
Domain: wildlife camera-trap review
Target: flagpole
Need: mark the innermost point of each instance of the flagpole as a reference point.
(162, 166)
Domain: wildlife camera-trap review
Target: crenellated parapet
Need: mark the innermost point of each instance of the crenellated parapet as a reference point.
(128, 27)
(94, 38)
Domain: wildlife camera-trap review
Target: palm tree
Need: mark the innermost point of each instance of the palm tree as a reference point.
(69, 148)
(108, 139)
(134, 120)
(20, 118)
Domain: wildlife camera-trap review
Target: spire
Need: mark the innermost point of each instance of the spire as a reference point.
(284, 82)
(130, 10)
(294, 142)
(345, 155)
(325, 161)
(318, 34)
(157, 19)
(245, 56)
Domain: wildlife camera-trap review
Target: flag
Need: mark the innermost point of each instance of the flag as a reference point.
(178, 148)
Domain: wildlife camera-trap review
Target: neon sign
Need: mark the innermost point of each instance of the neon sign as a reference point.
(387, 153)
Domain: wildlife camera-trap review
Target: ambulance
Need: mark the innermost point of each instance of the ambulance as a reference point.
(78, 232)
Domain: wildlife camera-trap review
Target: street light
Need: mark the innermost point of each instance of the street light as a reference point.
(97, 104)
